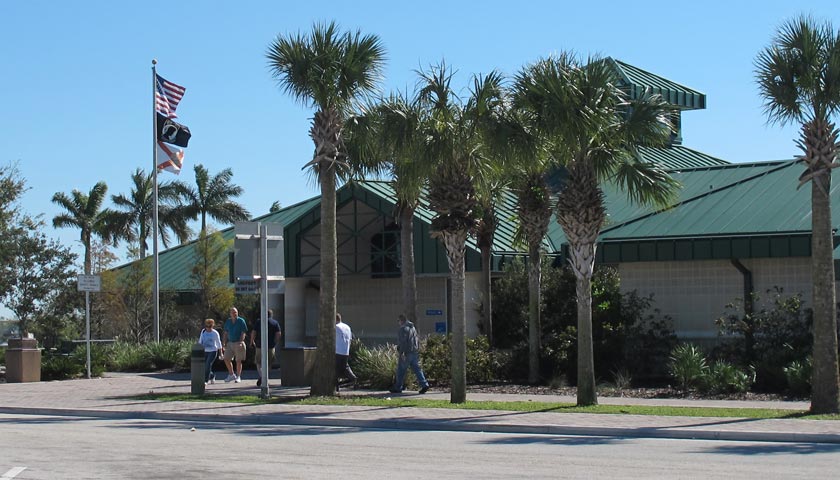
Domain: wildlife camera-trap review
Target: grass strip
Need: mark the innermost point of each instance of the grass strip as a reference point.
(517, 406)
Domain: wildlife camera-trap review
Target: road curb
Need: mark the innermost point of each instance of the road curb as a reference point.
(439, 425)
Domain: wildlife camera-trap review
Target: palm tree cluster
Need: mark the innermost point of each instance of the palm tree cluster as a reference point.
(460, 155)
(130, 219)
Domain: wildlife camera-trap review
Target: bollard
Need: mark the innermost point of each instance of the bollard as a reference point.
(197, 369)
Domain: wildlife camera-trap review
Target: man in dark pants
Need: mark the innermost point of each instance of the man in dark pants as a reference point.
(408, 347)
(256, 341)
(343, 335)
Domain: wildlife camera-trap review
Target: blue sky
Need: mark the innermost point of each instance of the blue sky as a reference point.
(77, 77)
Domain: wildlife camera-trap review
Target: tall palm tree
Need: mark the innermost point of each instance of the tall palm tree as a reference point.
(453, 146)
(83, 211)
(385, 137)
(799, 81)
(133, 215)
(327, 70)
(211, 196)
(592, 128)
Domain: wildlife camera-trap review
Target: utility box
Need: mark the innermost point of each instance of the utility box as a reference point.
(197, 369)
(296, 366)
(23, 361)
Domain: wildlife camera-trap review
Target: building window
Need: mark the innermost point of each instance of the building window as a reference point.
(385, 253)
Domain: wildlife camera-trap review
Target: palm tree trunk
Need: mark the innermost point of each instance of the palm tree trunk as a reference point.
(583, 260)
(323, 379)
(409, 277)
(486, 294)
(86, 243)
(534, 300)
(326, 134)
(581, 213)
(825, 384)
(455, 243)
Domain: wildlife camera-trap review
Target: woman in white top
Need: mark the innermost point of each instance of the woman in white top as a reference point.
(212, 345)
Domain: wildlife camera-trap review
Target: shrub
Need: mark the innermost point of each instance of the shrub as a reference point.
(2, 355)
(798, 376)
(169, 353)
(627, 331)
(129, 357)
(60, 367)
(770, 338)
(436, 355)
(375, 367)
(98, 357)
(687, 365)
(723, 377)
(622, 378)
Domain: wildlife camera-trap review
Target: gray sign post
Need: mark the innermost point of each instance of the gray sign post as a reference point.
(87, 284)
(259, 256)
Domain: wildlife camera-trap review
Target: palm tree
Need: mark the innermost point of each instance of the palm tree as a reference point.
(385, 138)
(593, 129)
(453, 145)
(327, 70)
(133, 216)
(212, 196)
(83, 211)
(799, 81)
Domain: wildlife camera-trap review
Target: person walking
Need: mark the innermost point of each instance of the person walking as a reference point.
(408, 348)
(343, 335)
(235, 329)
(256, 342)
(212, 344)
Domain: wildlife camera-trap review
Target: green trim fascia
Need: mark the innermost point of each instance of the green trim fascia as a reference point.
(704, 248)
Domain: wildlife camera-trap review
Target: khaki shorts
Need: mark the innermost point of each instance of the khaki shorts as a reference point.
(235, 349)
(258, 356)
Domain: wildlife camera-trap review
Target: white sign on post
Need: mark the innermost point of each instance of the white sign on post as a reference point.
(90, 283)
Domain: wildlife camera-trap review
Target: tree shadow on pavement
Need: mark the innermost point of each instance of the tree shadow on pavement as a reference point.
(773, 449)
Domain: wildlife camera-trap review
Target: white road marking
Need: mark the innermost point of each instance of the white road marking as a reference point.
(12, 473)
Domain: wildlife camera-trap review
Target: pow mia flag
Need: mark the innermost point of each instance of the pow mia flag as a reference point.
(170, 131)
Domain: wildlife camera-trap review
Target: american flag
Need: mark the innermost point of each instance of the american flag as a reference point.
(167, 96)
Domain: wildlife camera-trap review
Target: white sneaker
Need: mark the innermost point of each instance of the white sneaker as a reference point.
(238, 379)
(230, 378)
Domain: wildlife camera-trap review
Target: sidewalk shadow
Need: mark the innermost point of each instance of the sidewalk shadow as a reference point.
(773, 449)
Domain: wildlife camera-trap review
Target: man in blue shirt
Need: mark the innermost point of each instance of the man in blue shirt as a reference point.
(256, 341)
(235, 329)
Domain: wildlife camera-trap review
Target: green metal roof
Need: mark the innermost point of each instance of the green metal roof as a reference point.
(745, 209)
(678, 157)
(504, 240)
(734, 211)
(740, 199)
(635, 81)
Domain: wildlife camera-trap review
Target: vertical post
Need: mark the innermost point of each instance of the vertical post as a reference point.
(155, 265)
(264, 308)
(87, 329)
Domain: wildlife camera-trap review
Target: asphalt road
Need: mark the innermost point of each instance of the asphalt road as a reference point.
(41, 447)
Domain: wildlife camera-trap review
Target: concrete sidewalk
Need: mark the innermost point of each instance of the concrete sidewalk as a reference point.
(110, 397)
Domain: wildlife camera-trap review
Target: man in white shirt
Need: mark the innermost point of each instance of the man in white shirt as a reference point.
(343, 335)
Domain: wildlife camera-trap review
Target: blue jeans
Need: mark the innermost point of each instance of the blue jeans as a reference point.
(413, 360)
(209, 358)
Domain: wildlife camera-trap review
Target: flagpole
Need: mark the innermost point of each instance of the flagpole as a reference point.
(156, 290)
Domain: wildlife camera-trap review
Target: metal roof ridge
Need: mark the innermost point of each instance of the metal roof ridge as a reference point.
(730, 165)
(702, 195)
(622, 63)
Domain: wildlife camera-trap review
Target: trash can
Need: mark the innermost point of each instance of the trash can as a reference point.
(23, 361)
(296, 366)
(197, 369)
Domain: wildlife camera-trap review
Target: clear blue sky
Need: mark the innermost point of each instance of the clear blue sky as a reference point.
(77, 77)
